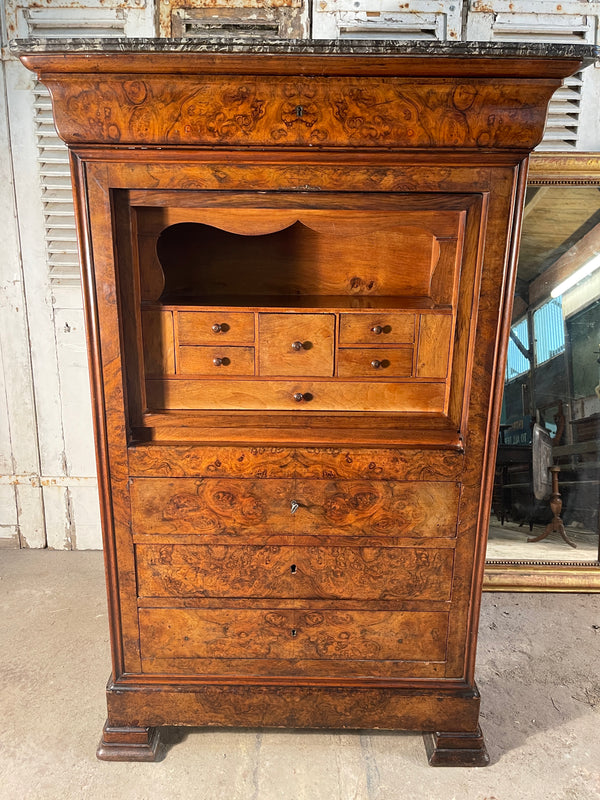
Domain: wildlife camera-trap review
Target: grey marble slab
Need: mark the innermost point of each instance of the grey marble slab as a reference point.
(361, 47)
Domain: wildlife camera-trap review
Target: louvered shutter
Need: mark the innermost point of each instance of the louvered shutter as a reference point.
(53, 160)
(541, 21)
(381, 19)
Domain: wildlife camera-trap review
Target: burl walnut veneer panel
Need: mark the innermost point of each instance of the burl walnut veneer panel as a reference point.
(298, 267)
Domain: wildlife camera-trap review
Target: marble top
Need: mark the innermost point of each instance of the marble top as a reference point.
(363, 47)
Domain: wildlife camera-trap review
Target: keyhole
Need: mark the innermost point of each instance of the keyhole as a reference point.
(299, 111)
(293, 569)
(293, 631)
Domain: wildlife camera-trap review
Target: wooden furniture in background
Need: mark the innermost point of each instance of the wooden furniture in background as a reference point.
(298, 268)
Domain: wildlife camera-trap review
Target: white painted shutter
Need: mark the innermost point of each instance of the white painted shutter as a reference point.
(381, 19)
(56, 493)
(53, 159)
(543, 21)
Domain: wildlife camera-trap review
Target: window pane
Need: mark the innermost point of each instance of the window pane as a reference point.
(549, 330)
(516, 363)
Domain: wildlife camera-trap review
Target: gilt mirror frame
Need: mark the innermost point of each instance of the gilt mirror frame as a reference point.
(551, 169)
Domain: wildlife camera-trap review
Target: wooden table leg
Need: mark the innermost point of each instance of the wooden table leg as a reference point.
(556, 523)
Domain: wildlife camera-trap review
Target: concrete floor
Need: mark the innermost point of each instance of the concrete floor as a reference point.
(537, 671)
(509, 541)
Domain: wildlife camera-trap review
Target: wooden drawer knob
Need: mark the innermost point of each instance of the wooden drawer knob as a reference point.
(375, 364)
(377, 329)
(220, 327)
(299, 346)
(300, 397)
(219, 362)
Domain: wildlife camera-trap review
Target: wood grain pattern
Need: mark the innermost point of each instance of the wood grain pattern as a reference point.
(285, 252)
(284, 634)
(394, 707)
(207, 506)
(388, 541)
(197, 327)
(180, 460)
(218, 361)
(396, 328)
(159, 342)
(280, 395)
(256, 508)
(250, 111)
(279, 332)
(267, 571)
(377, 507)
(435, 331)
(287, 670)
(375, 363)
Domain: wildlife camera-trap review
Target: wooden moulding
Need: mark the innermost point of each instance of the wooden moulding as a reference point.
(508, 115)
(550, 169)
(230, 705)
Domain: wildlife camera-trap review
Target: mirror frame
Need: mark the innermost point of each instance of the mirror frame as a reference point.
(550, 169)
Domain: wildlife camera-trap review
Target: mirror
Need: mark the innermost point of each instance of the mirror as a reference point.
(545, 528)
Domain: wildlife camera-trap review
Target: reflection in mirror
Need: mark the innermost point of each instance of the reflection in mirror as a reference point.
(546, 491)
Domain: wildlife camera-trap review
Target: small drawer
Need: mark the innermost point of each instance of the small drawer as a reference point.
(296, 344)
(372, 362)
(208, 327)
(381, 328)
(218, 361)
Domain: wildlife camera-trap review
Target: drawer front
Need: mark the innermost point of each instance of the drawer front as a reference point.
(218, 361)
(220, 508)
(413, 509)
(296, 344)
(212, 327)
(282, 633)
(302, 395)
(378, 328)
(211, 507)
(374, 362)
(270, 571)
(309, 110)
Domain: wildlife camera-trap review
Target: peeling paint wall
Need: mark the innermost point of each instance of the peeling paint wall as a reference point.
(48, 489)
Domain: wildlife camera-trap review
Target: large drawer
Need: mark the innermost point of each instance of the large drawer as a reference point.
(300, 395)
(199, 634)
(218, 508)
(272, 571)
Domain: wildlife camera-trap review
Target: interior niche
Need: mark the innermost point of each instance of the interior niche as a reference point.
(332, 255)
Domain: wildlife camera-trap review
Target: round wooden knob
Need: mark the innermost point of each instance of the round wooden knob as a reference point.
(377, 329)
(376, 364)
(218, 362)
(297, 346)
(299, 397)
(217, 327)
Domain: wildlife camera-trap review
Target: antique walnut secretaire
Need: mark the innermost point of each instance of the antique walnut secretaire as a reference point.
(298, 263)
